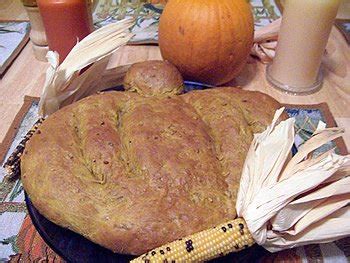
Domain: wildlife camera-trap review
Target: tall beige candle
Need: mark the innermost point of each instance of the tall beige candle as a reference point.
(305, 29)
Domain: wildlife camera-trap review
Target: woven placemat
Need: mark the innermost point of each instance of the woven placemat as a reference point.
(19, 240)
(147, 15)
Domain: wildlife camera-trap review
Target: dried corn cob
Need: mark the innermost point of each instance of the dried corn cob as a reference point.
(218, 241)
(12, 165)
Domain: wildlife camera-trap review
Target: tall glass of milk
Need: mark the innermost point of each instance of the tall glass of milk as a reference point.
(304, 32)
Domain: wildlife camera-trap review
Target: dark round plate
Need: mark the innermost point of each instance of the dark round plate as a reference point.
(189, 85)
(73, 247)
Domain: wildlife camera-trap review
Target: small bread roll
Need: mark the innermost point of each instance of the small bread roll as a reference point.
(154, 78)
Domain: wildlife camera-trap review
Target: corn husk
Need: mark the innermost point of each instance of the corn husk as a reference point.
(300, 202)
(265, 41)
(65, 83)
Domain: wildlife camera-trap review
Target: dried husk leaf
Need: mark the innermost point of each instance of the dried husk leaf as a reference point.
(268, 32)
(265, 41)
(64, 83)
(290, 205)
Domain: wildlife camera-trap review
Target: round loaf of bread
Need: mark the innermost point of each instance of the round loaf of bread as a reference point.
(132, 173)
(154, 77)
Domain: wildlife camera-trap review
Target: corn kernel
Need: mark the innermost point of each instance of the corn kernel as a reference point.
(232, 236)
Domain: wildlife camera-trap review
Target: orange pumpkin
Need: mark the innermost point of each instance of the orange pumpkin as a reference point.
(207, 40)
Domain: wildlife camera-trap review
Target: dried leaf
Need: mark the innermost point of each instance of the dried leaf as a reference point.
(64, 83)
(269, 32)
(265, 41)
(290, 207)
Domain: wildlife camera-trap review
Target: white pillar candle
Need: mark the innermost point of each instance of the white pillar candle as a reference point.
(305, 29)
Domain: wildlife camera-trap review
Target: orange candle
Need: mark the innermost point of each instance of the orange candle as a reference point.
(65, 22)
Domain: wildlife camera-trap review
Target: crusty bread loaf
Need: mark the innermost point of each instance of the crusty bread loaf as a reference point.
(154, 77)
(132, 173)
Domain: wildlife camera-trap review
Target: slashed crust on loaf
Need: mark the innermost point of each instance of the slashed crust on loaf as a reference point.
(133, 173)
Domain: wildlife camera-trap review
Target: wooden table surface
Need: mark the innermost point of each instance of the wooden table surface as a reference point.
(26, 76)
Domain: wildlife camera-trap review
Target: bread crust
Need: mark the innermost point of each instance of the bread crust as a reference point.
(133, 173)
(154, 77)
